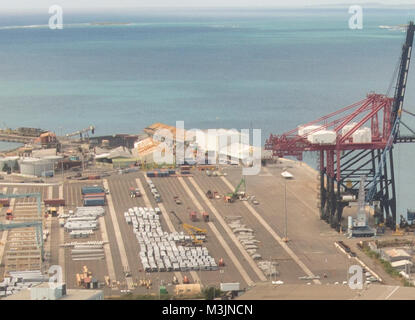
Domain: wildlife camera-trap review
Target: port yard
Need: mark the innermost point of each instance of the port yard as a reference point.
(309, 253)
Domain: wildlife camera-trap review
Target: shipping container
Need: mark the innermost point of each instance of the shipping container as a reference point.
(95, 195)
(54, 202)
(92, 189)
(235, 286)
(5, 202)
(94, 202)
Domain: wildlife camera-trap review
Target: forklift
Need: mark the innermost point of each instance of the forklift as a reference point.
(51, 211)
(135, 193)
(9, 214)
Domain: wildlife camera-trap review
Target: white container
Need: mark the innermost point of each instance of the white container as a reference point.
(347, 128)
(323, 137)
(305, 130)
(362, 135)
(235, 286)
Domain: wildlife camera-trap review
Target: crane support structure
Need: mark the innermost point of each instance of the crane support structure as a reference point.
(352, 142)
(39, 231)
(37, 224)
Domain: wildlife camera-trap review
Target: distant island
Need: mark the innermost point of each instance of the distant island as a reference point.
(109, 23)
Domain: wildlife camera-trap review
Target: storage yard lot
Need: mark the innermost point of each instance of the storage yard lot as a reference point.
(310, 251)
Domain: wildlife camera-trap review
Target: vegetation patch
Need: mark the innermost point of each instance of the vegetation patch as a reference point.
(386, 265)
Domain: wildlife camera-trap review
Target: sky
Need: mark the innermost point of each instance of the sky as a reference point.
(7, 5)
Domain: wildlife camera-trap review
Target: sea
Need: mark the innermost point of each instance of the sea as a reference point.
(268, 69)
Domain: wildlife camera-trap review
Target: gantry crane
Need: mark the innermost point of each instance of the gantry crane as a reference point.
(349, 150)
(39, 231)
(193, 231)
(26, 224)
(38, 197)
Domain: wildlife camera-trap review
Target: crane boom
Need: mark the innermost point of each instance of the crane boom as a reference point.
(397, 106)
(82, 131)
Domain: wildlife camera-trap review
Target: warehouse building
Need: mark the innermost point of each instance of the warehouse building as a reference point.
(393, 254)
(402, 265)
(45, 291)
(37, 167)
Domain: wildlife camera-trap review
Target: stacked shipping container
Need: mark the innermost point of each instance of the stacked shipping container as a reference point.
(93, 196)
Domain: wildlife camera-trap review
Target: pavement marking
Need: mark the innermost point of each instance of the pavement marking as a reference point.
(4, 234)
(118, 237)
(228, 230)
(28, 184)
(61, 252)
(274, 235)
(165, 214)
(143, 193)
(50, 192)
(312, 209)
(107, 249)
(49, 225)
(393, 291)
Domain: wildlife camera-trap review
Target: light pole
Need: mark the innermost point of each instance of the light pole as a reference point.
(285, 239)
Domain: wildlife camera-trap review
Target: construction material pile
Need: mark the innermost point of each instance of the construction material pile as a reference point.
(86, 280)
(163, 251)
(246, 237)
(83, 222)
(87, 252)
(21, 280)
(75, 243)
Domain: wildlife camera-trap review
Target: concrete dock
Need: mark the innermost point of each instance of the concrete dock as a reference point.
(310, 250)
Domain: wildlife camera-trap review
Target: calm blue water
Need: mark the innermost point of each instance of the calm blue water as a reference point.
(214, 68)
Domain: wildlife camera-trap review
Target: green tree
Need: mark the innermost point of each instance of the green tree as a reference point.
(16, 167)
(6, 168)
(211, 293)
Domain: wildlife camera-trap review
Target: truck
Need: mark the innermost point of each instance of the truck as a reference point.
(52, 211)
(9, 214)
(205, 216)
(193, 216)
(134, 192)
